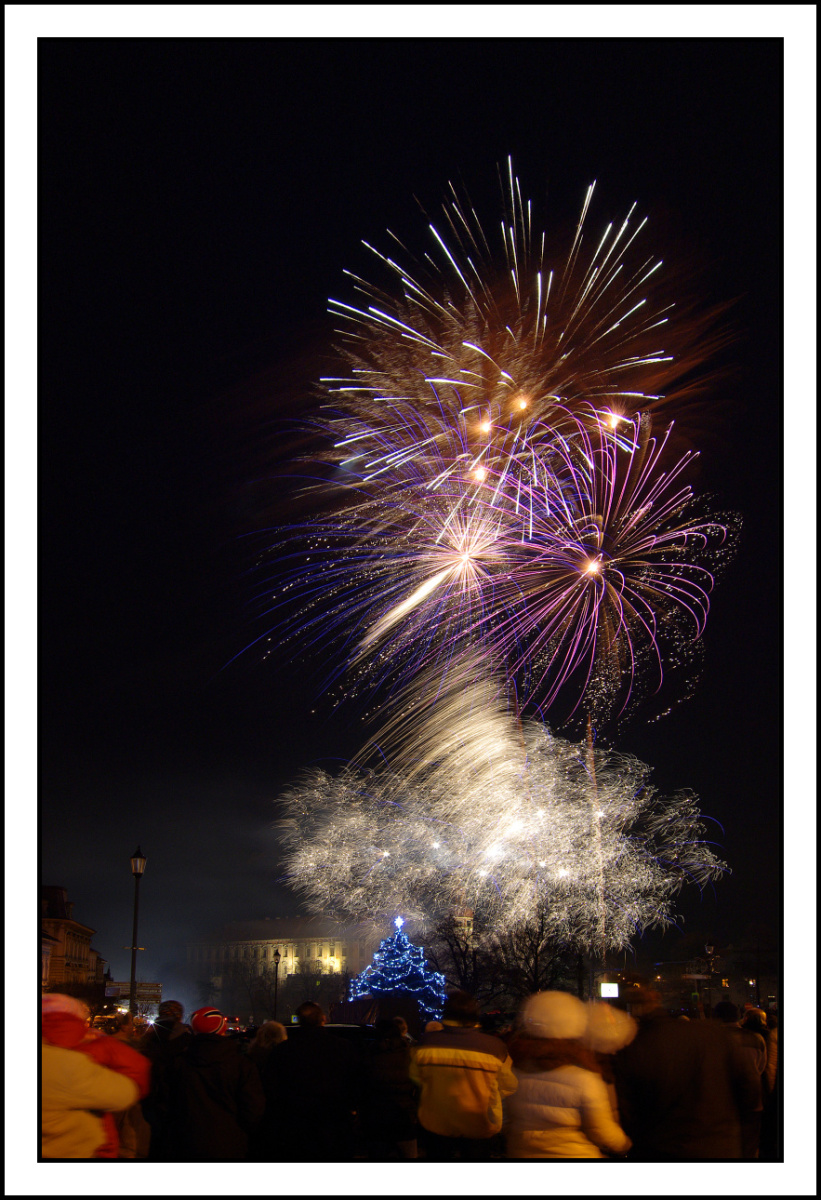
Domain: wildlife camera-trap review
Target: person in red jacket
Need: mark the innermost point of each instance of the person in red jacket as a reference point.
(65, 1023)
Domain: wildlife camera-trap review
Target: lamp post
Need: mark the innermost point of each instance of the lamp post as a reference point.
(710, 956)
(137, 868)
(277, 957)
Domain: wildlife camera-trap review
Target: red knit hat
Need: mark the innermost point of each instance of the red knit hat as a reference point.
(208, 1020)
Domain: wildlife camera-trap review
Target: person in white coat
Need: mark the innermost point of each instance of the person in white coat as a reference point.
(561, 1108)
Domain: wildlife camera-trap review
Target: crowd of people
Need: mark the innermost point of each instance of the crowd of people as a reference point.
(568, 1080)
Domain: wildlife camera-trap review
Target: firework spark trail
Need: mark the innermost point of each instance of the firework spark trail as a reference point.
(588, 577)
(617, 569)
(498, 484)
(501, 528)
(369, 844)
(498, 347)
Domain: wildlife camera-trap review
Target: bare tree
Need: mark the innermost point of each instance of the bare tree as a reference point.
(459, 951)
(303, 985)
(526, 959)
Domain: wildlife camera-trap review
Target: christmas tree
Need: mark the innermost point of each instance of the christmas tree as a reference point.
(399, 967)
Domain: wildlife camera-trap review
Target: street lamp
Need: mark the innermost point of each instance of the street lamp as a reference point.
(710, 951)
(137, 868)
(277, 957)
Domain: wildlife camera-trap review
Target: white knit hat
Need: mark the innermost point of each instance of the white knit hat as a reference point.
(608, 1028)
(554, 1015)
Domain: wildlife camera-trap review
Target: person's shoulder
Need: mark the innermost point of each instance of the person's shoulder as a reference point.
(492, 1043)
(341, 1046)
(464, 1037)
(61, 1055)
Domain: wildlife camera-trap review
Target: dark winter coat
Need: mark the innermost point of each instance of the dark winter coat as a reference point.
(683, 1088)
(389, 1103)
(215, 1101)
(313, 1087)
(162, 1045)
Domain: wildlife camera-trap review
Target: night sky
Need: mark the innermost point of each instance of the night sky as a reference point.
(199, 202)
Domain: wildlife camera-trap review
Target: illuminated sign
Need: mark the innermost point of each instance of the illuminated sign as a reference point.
(146, 993)
(608, 991)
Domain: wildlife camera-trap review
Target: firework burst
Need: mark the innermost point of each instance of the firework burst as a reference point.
(503, 349)
(499, 526)
(577, 829)
(496, 483)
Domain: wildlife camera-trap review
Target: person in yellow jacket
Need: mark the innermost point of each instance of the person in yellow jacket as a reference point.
(75, 1088)
(463, 1075)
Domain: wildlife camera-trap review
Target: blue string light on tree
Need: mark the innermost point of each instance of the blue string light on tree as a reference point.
(399, 966)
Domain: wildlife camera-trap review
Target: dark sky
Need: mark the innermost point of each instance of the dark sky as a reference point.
(199, 202)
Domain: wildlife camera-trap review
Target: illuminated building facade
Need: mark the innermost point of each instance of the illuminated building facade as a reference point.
(67, 956)
(231, 962)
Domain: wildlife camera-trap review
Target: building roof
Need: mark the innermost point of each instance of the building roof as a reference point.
(56, 906)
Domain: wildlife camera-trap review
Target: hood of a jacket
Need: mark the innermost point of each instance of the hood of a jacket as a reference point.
(531, 1054)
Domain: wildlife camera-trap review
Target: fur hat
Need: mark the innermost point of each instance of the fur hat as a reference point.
(608, 1028)
(554, 1015)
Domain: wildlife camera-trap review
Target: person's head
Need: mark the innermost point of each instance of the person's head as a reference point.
(608, 1028)
(756, 1020)
(553, 1015)
(310, 1014)
(641, 995)
(460, 1009)
(123, 1023)
(209, 1020)
(270, 1033)
(726, 1011)
(433, 1026)
(401, 1026)
(65, 1020)
(386, 1029)
(170, 1011)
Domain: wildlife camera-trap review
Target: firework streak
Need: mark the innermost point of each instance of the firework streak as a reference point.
(542, 823)
(502, 525)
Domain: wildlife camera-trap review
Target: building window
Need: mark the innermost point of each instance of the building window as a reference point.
(725, 983)
(307, 950)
